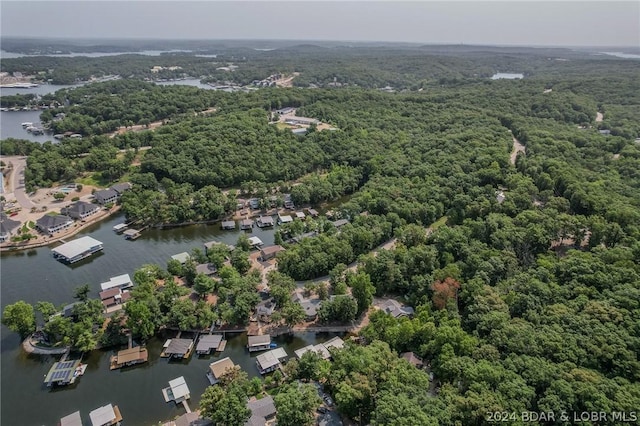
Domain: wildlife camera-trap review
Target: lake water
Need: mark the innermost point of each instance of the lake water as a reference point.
(7, 55)
(34, 275)
(506, 75)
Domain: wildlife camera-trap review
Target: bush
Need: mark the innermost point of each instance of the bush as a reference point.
(75, 199)
(59, 195)
(79, 187)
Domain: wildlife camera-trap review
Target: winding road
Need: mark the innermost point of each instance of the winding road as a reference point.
(16, 181)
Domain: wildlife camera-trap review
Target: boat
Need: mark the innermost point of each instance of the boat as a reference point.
(273, 345)
(27, 124)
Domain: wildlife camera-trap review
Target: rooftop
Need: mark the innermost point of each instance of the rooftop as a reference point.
(179, 346)
(271, 250)
(221, 367)
(76, 247)
(122, 281)
(105, 415)
(179, 387)
(72, 419)
(208, 342)
(255, 241)
(133, 354)
(262, 408)
(264, 339)
(271, 358)
(181, 257)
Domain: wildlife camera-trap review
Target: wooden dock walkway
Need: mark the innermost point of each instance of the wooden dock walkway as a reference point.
(186, 406)
(222, 346)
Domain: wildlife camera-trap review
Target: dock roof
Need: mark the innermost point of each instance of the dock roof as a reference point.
(179, 387)
(285, 219)
(335, 342)
(181, 257)
(103, 416)
(264, 339)
(133, 354)
(72, 419)
(228, 224)
(208, 342)
(271, 358)
(61, 372)
(220, 368)
(122, 281)
(255, 241)
(265, 220)
(179, 346)
(76, 247)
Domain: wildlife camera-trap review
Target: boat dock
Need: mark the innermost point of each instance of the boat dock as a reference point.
(119, 228)
(222, 346)
(132, 234)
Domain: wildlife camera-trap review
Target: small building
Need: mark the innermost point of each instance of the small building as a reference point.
(340, 223)
(177, 391)
(412, 359)
(76, 250)
(181, 257)
(121, 281)
(300, 215)
(270, 252)
(334, 342)
(105, 416)
(313, 212)
(119, 228)
(50, 224)
(254, 203)
(258, 343)
(72, 419)
(208, 269)
(310, 306)
(120, 188)
(64, 373)
(114, 299)
(271, 361)
(207, 343)
(286, 111)
(282, 219)
(132, 234)
(228, 224)
(262, 411)
(255, 242)
(246, 224)
(128, 357)
(396, 309)
(7, 227)
(265, 309)
(81, 210)
(177, 348)
(264, 221)
(106, 196)
(320, 349)
(288, 201)
(219, 368)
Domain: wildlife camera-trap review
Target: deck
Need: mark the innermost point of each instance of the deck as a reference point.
(222, 346)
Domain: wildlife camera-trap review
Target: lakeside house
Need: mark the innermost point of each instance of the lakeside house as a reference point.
(282, 219)
(183, 257)
(64, 373)
(313, 212)
(219, 368)
(246, 224)
(72, 419)
(271, 360)
(264, 221)
(208, 269)
(288, 202)
(412, 359)
(322, 349)
(7, 226)
(177, 348)
(80, 210)
(265, 309)
(76, 250)
(106, 196)
(340, 223)
(258, 343)
(120, 188)
(310, 306)
(228, 224)
(128, 357)
(106, 415)
(300, 215)
(270, 252)
(50, 224)
(262, 411)
(396, 309)
(177, 391)
(207, 343)
(114, 299)
(121, 281)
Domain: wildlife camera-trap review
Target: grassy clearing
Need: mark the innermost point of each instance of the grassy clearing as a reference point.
(438, 223)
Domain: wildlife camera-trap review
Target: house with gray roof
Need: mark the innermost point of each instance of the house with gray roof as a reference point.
(310, 306)
(50, 224)
(121, 187)
(106, 196)
(396, 309)
(7, 227)
(262, 410)
(81, 210)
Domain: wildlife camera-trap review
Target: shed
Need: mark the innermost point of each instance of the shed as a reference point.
(313, 212)
(300, 215)
(340, 223)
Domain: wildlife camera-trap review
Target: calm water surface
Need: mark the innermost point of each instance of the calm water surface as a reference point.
(34, 275)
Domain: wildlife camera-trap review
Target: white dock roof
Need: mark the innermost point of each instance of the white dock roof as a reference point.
(181, 257)
(179, 387)
(76, 247)
(122, 281)
(72, 419)
(255, 241)
(102, 416)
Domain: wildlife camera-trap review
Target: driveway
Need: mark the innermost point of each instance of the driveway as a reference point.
(17, 181)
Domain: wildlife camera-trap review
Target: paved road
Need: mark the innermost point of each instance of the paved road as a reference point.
(17, 181)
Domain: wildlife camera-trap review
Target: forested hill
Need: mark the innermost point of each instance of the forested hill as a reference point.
(526, 299)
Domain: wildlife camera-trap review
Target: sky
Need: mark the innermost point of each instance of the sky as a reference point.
(515, 22)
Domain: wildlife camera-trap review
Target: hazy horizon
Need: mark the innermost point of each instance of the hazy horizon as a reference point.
(516, 23)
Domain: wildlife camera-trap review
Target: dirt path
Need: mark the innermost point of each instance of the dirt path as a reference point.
(599, 117)
(517, 147)
(151, 126)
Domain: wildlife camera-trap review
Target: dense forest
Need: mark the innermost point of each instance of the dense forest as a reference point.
(527, 299)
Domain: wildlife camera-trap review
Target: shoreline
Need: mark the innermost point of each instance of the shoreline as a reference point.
(17, 246)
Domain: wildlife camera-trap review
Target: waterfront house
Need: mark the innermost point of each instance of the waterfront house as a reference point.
(177, 391)
(262, 411)
(255, 242)
(254, 203)
(208, 269)
(107, 415)
(265, 309)
(64, 373)
(246, 224)
(7, 227)
(181, 257)
(258, 343)
(177, 348)
(288, 201)
(282, 219)
(300, 215)
(396, 309)
(114, 299)
(120, 188)
(271, 361)
(310, 306)
(207, 343)
(106, 196)
(270, 252)
(50, 224)
(264, 221)
(228, 224)
(320, 349)
(80, 210)
(121, 281)
(219, 368)
(128, 357)
(76, 250)
(72, 419)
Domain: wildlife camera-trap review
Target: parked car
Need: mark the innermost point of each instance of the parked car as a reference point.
(322, 410)
(327, 400)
